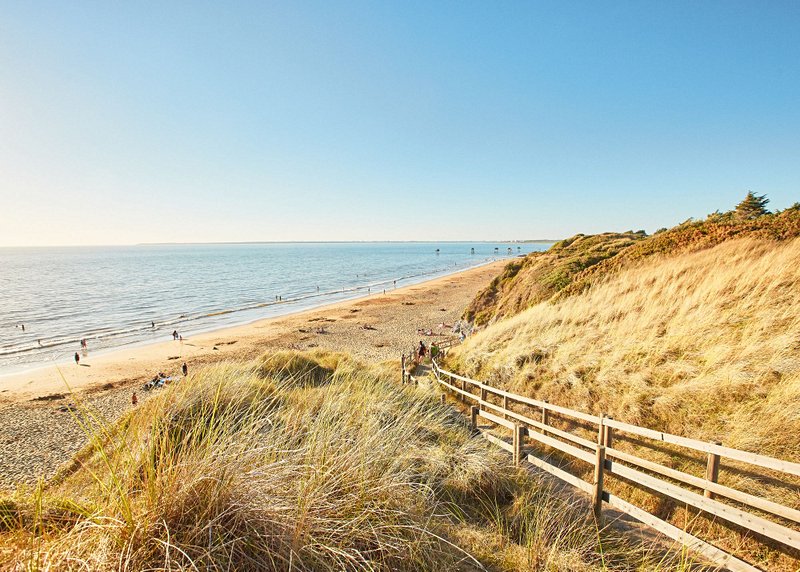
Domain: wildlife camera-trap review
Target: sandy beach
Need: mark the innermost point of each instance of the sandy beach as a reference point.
(36, 436)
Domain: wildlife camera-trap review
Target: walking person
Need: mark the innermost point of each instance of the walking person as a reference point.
(134, 399)
(174, 334)
(77, 358)
(185, 369)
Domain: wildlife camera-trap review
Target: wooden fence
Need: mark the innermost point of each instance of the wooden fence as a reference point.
(702, 493)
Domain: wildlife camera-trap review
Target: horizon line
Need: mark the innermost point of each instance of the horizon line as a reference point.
(513, 241)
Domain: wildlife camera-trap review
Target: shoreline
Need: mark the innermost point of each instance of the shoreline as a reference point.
(304, 302)
(105, 366)
(38, 433)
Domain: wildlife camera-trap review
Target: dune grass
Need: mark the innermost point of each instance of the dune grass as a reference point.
(704, 344)
(299, 461)
(541, 275)
(571, 266)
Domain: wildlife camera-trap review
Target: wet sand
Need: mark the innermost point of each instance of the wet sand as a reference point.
(36, 437)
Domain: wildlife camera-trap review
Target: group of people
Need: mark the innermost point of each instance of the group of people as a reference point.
(159, 381)
(84, 348)
(422, 350)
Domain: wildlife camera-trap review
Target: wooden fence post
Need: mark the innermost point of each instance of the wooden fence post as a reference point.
(473, 418)
(505, 406)
(518, 441)
(597, 494)
(601, 430)
(545, 416)
(483, 396)
(712, 470)
(403, 369)
(463, 388)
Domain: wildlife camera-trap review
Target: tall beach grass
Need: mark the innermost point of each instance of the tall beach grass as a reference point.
(704, 344)
(299, 461)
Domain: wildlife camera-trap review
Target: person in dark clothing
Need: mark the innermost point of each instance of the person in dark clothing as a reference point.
(422, 349)
(77, 358)
(185, 369)
(174, 334)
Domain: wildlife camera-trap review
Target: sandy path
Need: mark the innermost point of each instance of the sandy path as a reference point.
(35, 437)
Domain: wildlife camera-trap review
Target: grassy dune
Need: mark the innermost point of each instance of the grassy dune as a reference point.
(299, 461)
(704, 344)
(540, 275)
(572, 266)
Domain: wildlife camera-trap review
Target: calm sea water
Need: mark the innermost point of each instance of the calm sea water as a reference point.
(111, 296)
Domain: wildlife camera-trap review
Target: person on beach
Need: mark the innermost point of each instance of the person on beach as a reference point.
(83, 343)
(134, 399)
(77, 358)
(422, 350)
(153, 324)
(185, 369)
(23, 327)
(174, 334)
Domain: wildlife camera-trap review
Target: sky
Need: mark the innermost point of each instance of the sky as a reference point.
(124, 123)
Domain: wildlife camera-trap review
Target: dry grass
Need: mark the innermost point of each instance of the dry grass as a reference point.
(540, 275)
(704, 344)
(700, 344)
(572, 266)
(298, 462)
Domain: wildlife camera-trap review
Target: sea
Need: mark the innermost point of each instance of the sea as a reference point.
(119, 296)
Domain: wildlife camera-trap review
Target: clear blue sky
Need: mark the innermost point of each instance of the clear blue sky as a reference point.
(230, 121)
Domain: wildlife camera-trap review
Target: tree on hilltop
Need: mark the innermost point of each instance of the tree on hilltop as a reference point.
(753, 206)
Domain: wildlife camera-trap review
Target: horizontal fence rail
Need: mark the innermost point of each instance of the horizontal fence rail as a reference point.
(689, 490)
